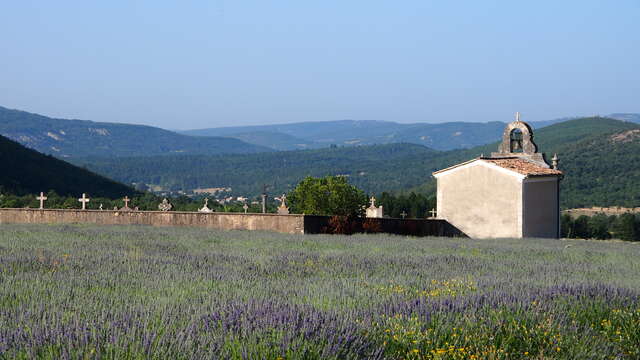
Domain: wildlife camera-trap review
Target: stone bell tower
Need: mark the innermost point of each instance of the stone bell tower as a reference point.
(517, 141)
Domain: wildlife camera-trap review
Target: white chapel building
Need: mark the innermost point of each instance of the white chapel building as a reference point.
(512, 193)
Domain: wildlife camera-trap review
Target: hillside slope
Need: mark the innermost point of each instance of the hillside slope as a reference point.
(26, 171)
(586, 157)
(74, 138)
(602, 170)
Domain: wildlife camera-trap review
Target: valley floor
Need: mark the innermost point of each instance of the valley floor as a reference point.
(181, 293)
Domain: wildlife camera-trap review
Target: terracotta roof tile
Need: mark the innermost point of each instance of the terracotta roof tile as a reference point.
(523, 166)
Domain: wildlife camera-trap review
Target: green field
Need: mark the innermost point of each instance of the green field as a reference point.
(89, 292)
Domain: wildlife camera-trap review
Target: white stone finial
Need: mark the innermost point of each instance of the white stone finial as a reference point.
(517, 116)
(554, 161)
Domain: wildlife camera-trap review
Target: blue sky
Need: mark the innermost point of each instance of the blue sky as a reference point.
(197, 64)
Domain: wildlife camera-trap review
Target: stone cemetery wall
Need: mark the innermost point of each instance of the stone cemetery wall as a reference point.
(290, 224)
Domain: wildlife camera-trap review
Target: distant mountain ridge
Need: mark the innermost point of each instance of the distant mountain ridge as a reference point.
(81, 138)
(26, 171)
(632, 117)
(73, 138)
(314, 135)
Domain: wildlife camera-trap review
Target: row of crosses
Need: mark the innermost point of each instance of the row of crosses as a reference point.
(432, 211)
(84, 200)
(166, 206)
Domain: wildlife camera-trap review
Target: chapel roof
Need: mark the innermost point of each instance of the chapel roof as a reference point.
(523, 166)
(516, 164)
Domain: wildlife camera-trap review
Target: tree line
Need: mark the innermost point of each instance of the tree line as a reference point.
(602, 227)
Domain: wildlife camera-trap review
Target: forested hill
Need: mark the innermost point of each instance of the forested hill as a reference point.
(73, 138)
(599, 170)
(26, 171)
(375, 168)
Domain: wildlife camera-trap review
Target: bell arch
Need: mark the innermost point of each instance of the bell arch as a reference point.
(518, 135)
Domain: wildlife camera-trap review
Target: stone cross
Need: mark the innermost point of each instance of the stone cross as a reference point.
(373, 201)
(403, 214)
(205, 208)
(126, 201)
(264, 198)
(42, 198)
(84, 200)
(433, 213)
(245, 207)
(165, 205)
(283, 209)
(283, 200)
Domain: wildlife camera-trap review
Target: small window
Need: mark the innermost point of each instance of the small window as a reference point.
(516, 141)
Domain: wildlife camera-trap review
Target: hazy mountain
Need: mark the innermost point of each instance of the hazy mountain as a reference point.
(601, 165)
(26, 171)
(308, 135)
(632, 117)
(276, 140)
(73, 138)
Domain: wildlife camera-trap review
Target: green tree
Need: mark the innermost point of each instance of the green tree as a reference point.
(330, 195)
(627, 227)
(599, 227)
(566, 226)
(70, 203)
(581, 228)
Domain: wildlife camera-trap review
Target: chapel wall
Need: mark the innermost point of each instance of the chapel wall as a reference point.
(541, 208)
(480, 201)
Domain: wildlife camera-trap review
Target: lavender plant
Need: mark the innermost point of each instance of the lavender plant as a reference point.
(90, 292)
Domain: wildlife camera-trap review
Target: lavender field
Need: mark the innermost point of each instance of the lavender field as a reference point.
(89, 292)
